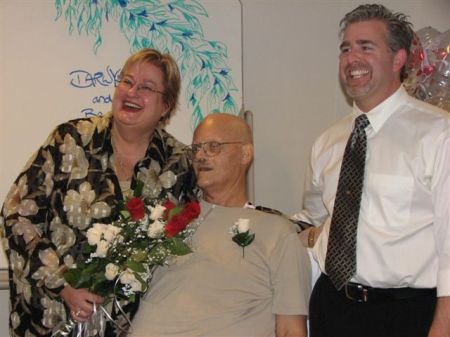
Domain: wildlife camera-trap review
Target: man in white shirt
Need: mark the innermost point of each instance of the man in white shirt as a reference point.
(403, 229)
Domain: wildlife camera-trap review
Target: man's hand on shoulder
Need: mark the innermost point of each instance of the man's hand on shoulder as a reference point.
(308, 237)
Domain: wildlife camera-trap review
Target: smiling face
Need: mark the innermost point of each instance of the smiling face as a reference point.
(140, 109)
(369, 70)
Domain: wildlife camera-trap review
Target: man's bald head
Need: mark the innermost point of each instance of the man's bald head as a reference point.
(228, 126)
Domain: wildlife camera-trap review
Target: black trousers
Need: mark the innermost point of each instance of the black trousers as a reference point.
(332, 314)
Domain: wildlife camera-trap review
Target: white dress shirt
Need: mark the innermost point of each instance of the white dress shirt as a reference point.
(403, 235)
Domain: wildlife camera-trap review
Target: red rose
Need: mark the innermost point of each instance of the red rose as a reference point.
(136, 208)
(180, 221)
(169, 205)
(192, 209)
(173, 227)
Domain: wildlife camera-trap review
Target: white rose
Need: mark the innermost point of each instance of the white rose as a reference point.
(127, 277)
(111, 233)
(156, 212)
(102, 248)
(135, 285)
(116, 230)
(111, 271)
(94, 234)
(243, 225)
(155, 229)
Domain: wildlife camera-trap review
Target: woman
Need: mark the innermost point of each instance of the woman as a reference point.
(78, 177)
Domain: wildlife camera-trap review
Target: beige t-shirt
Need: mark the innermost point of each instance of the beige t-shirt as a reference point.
(216, 291)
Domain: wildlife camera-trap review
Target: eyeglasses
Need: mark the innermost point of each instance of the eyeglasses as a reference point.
(211, 149)
(145, 89)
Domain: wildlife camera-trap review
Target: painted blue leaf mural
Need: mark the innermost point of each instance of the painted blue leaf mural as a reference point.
(171, 27)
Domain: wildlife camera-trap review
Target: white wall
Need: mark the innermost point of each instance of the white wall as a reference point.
(291, 82)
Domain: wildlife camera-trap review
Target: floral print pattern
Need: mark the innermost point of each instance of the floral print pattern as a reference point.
(81, 209)
(66, 186)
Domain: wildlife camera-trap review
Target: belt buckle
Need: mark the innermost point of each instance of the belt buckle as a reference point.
(360, 288)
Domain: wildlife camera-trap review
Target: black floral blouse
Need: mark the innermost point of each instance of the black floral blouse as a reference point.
(68, 185)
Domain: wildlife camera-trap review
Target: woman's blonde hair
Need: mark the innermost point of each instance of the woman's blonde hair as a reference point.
(171, 74)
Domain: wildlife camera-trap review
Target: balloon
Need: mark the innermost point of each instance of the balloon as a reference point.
(439, 88)
(413, 72)
(429, 38)
(428, 68)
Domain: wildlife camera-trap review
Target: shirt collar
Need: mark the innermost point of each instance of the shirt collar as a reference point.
(381, 113)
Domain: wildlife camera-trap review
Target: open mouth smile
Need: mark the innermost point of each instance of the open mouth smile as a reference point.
(358, 73)
(131, 106)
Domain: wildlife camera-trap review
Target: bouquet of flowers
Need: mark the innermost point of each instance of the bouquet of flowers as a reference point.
(120, 257)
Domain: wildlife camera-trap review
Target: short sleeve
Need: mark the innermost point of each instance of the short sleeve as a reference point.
(291, 276)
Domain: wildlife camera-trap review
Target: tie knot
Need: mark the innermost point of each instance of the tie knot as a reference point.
(361, 122)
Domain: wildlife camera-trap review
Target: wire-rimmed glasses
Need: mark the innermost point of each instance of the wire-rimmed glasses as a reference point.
(211, 149)
(145, 89)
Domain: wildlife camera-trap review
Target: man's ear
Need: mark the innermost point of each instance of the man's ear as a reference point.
(247, 154)
(399, 60)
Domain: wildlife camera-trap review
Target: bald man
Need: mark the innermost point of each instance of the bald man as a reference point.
(222, 288)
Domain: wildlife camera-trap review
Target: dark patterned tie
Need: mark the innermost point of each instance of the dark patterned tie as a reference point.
(340, 262)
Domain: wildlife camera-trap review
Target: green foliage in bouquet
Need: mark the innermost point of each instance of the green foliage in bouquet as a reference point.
(119, 258)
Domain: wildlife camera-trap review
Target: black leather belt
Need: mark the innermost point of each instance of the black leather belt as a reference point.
(361, 293)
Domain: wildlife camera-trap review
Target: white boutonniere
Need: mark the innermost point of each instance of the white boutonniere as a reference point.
(241, 233)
